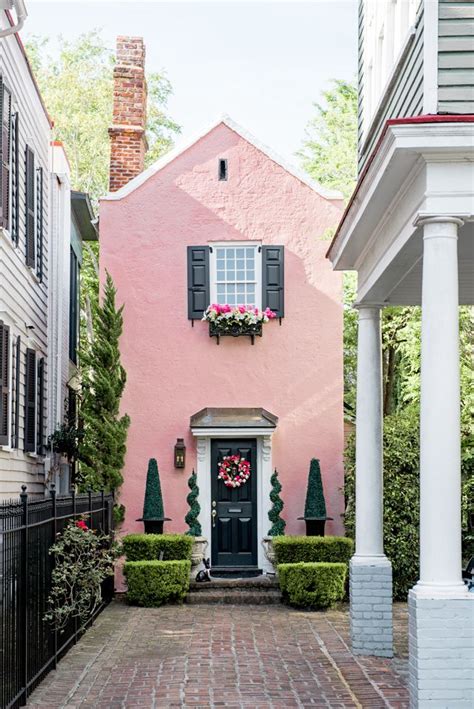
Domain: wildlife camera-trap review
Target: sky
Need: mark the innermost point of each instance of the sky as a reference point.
(264, 63)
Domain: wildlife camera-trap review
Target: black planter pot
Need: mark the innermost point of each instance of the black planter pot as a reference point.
(154, 526)
(315, 525)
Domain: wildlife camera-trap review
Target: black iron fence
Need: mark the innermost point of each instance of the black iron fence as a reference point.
(29, 646)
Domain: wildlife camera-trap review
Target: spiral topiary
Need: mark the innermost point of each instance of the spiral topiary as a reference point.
(278, 524)
(191, 518)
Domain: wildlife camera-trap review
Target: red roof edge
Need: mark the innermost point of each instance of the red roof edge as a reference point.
(30, 70)
(435, 118)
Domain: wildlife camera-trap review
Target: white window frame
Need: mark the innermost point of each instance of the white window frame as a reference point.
(14, 333)
(258, 267)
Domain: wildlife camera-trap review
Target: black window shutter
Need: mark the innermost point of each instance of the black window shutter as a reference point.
(40, 436)
(30, 206)
(273, 279)
(30, 401)
(198, 281)
(4, 382)
(73, 306)
(39, 223)
(16, 419)
(5, 112)
(15, 207)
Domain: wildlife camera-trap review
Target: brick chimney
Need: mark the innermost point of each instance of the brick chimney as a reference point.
(128, 143)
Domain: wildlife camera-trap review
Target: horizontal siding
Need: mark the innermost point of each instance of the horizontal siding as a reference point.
(23, 300)
(456, 57)
(405, 98)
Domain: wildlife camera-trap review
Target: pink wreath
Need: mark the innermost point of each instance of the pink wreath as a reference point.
(234, 471)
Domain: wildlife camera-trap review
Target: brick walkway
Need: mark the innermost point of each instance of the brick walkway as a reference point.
(223, 656)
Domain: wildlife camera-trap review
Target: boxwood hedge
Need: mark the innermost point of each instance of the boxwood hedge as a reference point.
(312, 585)
(291, 550)
(141, 547)
(152, 583)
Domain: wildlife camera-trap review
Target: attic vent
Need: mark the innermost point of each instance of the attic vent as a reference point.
(222, 169)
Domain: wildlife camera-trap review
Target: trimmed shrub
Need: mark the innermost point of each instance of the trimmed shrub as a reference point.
(142, 547)
(278, 524)
(292, 550)
(153, 504)
(312, 585)
(315, 505)
(152, 583)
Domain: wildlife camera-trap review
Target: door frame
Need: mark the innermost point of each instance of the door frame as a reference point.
(264, 473)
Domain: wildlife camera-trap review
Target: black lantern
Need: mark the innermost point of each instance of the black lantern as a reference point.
(179, 453)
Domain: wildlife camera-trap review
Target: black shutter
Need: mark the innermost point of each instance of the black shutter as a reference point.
(5, 116)
(4, 382)
(30, 401)
(16, 419)
(198, 281)
(273, 279)
(39, 223)
(73, 306)
(40, 435)
(30, 206)
(15, 207)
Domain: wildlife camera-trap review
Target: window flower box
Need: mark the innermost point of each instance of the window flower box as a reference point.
(236, 321)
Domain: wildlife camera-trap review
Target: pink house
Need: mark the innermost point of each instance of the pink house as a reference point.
(223, 220)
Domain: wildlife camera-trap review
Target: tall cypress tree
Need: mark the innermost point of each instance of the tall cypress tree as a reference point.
(102, 448)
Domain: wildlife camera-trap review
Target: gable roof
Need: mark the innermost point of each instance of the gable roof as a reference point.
(243, 133)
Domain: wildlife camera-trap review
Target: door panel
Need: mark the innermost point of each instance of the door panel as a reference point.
(234, 528)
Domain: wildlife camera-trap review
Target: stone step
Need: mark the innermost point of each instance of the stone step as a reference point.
(270, 596)
(258, 582)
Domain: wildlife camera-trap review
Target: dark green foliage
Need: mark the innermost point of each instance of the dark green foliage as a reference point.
(192, 517)
(140, 547)
(153, 505)
(102, 447)
(312, 585)
(278, 524)
(401, 497)
(291, 550)
(152, 583)
(315, 505)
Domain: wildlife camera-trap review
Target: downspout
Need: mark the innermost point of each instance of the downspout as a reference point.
(21, 15)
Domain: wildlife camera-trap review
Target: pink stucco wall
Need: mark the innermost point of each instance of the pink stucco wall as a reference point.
(174, 370)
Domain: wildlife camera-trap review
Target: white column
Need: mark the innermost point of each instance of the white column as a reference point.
(441, 611)
(370, 571)
(369, 444)
(440, 444)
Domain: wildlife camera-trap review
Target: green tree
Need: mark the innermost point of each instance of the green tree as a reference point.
(315, 505)
(103, 445)
(153, 505)
(329, 151)
(192, 517)
(278, 524)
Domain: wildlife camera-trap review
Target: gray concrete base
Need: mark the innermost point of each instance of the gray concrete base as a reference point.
(371, 606)
(441, 642)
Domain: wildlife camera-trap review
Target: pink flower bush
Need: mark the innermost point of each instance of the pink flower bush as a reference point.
(244, 314)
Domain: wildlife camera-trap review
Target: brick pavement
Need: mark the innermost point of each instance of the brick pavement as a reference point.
(224, 656)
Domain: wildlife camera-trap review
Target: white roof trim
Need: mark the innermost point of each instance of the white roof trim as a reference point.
(226, 120)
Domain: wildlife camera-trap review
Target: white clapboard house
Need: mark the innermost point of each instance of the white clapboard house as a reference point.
(41, 227)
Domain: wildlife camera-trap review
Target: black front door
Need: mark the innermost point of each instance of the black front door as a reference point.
(234, 524)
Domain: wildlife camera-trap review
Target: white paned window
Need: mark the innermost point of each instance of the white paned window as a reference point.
(236, 274)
